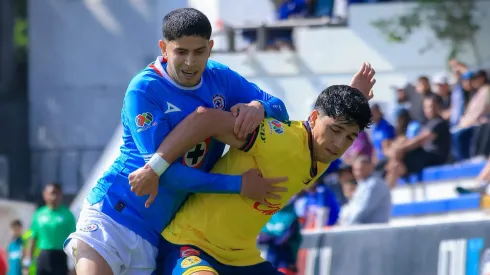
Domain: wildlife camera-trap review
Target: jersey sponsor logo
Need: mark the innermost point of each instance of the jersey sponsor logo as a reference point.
(268, 210)
(190, 261)
(219, 101)
(187, 251)
(172, 108)
(89, 227)
(262, 132)
(276, 126)
(195, 156)
(144, 121)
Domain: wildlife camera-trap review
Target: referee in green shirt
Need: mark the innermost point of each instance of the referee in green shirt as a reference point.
(51, 225)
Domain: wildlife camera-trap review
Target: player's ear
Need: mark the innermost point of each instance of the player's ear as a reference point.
(163, 46)
(312, 118)
(211, 44)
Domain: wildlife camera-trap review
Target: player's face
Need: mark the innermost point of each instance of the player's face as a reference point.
(186, 58)
(331, 137)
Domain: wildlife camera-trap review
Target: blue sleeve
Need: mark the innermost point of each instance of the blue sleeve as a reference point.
(148, 125)
(390, 132)
(241, 90)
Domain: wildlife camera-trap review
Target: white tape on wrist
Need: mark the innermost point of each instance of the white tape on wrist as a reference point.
(158, 164)
(26, 262)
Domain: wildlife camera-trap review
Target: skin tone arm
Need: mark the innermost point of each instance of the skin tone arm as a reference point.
(198, 126)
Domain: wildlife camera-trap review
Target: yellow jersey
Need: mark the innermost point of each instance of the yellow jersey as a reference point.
(226, 226)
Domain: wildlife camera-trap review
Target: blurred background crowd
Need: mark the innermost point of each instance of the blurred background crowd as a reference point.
(426, 156)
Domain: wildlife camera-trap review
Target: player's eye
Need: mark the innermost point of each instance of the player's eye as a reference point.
(199, 52)
(334, 130)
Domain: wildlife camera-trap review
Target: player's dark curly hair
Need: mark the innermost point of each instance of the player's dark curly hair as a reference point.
(346, 104)
(186, 22)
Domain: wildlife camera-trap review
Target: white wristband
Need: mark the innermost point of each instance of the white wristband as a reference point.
(158, 164)
(26, 262)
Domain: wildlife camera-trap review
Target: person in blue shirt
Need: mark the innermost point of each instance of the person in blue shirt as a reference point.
(118, 231)
(382, 132)
(14, 250)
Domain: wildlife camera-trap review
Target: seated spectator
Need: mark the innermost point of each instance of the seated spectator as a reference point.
(430, 147)
(402, 98)
(361, 146)
(405, 128)
(476, 113)
(371, 201)
(348, 188)
(443, 90)
(382, 133)
(423, 89)
(324, 8)
(282, 235)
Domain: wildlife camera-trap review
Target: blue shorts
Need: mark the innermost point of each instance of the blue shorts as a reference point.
(185, 259)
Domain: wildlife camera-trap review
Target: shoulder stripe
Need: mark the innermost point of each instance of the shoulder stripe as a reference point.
(152, 65)
(251, 140)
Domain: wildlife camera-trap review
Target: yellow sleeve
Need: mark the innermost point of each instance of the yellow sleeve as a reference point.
(271, 136)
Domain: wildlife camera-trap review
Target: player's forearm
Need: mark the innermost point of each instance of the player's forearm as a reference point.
(183, 178)
(195, 128)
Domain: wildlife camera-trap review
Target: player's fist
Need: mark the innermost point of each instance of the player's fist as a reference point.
(259, 189)
(144, 181)
(248, 117)
(364, 80)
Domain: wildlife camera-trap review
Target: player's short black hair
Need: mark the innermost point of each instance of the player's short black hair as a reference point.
(345, 103)
(185, 22)
(55, 185)
(16, 223)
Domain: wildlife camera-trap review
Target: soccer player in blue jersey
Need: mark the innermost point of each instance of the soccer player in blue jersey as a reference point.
(118, 231)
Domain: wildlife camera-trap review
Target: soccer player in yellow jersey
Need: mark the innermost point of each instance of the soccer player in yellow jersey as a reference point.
(216, 233)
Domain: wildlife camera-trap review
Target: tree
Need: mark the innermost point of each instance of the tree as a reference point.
(451, 21)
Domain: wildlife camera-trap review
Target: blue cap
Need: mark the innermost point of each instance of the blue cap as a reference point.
(468, 75)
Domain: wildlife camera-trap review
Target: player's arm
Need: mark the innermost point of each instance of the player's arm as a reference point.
(201, 124)
(243, 91)
(148, 134)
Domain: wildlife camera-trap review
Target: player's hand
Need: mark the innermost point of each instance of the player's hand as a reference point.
(249, 116)
(364, 80)
(144, 181)
(259, 189)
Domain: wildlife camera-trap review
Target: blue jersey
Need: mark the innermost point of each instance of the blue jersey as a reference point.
(15, 257)
(153, 105)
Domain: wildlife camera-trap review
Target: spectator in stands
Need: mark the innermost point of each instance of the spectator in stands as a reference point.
(423, 89)
(382, 134)
(371, 201)
(317, 207)
(346, 180)
(405, 128)
(361, 146)
(443, 89)
(476, 113)
(430, 147)
(402, 101)
(282, 235)
(15, 249)
(51, 225)
(458, 94)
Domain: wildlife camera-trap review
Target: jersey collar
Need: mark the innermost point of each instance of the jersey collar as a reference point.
(313, 167)
(158, 67)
